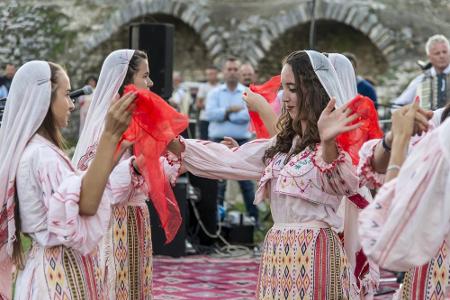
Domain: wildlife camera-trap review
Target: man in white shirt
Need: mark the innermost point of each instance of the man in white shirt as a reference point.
(181, 99)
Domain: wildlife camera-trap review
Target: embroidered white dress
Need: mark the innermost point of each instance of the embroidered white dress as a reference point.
(302, 257)
(62, 262)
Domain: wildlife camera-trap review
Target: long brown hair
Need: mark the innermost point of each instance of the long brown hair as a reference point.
(312, 100)
(133, 68)
(56, 137)
(49, 124)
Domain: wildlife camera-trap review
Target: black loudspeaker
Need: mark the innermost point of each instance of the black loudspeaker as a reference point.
(157, 41)
(239, 234)
(177, 247)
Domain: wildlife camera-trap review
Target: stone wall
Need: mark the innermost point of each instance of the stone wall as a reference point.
(33, 31)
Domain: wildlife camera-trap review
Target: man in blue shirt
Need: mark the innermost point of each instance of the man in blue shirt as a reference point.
(228, 116)
(225, 109)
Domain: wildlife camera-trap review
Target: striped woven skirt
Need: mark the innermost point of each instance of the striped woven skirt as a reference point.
(300, 262)
(428, 282)
(128, 251)
(59, 273)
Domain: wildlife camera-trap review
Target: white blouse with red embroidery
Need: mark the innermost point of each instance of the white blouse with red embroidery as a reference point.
(48, 189)
(304, 189)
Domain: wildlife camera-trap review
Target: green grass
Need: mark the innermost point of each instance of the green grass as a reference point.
(26, 243)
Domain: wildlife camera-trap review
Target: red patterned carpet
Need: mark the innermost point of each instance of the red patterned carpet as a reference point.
(203, 278)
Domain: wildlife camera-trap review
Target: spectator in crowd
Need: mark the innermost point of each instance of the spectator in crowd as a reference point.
(431, 85)
(229, 117)
(180, 99)
(247, 74)
(5, 81)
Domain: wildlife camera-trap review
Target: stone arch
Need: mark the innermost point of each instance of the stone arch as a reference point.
(360, 17)
(190, 13)
(332, 37)
(199, 49)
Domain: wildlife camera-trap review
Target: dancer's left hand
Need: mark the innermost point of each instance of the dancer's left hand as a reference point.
(333, 122)
(253, 100)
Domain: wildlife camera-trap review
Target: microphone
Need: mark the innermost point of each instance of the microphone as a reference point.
(424, 65)
(86, 90)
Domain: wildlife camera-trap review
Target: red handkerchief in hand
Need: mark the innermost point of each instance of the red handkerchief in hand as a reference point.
(269, 91)
(154, 124)
(353, 140)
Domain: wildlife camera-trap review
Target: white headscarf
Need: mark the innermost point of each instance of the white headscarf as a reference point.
(111, 77)
(346, 75)
(26, 107)
(327, 76)
(347, 210)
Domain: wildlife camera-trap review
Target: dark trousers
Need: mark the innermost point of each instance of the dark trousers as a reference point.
(203, 129)
(247, 189)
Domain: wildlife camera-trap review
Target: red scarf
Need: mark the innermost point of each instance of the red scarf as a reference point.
(154, 124)
(353, 140)
(269, 91)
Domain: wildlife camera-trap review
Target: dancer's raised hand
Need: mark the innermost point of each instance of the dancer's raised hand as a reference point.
(333, 122)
